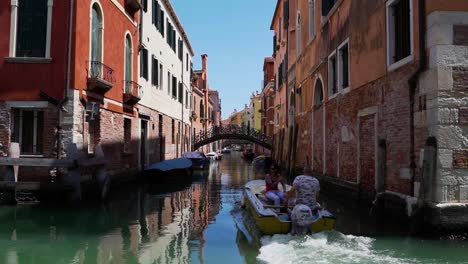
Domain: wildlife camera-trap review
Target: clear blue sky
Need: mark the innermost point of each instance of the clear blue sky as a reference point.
(236, 36)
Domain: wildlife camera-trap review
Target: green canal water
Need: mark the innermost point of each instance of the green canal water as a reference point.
(202, 222)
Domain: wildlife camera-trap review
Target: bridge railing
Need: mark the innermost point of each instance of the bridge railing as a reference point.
(231, 131)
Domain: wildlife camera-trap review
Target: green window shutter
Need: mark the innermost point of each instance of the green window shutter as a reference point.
(145, 64)
(153, 73)
(168, 39)
(157, 14)
(154, 13)
(162, 23)
(156, 71)
(181, 93)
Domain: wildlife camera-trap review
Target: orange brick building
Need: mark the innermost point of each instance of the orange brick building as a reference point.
(373, 88)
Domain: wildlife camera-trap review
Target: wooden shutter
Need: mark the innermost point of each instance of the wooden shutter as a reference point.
(156, 71)
(157, 15)
(285, 14)
(181, 93)
(274, 44)
(153, 71)
(154, 13)
(162, 23)
(144, 68)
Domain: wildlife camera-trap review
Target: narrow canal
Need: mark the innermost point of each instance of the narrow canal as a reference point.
(201, 222)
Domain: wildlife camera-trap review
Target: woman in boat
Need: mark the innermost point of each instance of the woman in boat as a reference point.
(272, 180)
(306, 189)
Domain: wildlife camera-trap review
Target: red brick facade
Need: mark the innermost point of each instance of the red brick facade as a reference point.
(372, 134)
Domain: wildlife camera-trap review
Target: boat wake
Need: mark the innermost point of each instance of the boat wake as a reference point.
(325, 247)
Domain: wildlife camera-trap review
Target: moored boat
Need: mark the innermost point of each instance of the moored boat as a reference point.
(199, 160)
(169, 170)
(248, 154)
(269, 221)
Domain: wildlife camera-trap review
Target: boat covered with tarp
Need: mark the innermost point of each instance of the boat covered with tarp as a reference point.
(169, 170)
(199, 160)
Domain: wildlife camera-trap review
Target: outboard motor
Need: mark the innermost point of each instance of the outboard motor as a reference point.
(301, 219)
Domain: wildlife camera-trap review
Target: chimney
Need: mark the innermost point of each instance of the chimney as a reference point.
(204, 62)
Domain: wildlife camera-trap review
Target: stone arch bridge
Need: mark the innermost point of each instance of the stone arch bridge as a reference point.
(232, 132)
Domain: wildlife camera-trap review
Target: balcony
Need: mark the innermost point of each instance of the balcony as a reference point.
(100, 77)
(132, 92)
(193, 115)
(132, 6)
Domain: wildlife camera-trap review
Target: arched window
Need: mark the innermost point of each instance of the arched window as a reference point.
(128, 65)
(318, 93)
(128, 58)
(311, 19)
(298, 32)
(96, 33)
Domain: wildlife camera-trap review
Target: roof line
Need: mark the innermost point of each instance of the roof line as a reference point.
(179, 25)
(274, 14)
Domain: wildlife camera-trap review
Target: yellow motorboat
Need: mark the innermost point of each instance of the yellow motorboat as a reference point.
(269, 221)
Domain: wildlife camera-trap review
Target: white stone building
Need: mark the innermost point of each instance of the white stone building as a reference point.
(165, 66)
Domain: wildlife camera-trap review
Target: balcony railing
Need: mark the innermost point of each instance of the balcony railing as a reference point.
(100, 76)
(132, 92)
(132, 6)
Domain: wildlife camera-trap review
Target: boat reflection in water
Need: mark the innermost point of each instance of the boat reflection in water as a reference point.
(138, 225)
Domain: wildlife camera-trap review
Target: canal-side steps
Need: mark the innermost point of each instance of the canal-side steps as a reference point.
(69, 187)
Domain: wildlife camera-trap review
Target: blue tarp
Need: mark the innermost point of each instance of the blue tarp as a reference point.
(194, 155)
(173, 164)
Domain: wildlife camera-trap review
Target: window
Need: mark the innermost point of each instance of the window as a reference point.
(318, 93)
(311, 19)
(127, 134)
(181, 50)
(161, 22)
(327, 6)
(174, 87)
(399, 32)
(155, 14)
(202, 110)
(186, 62)
(186, 99)
(169, 83)
(181, 93)
(96, 33)
(332, 80)
(160, 76)
(299, 100)
(173, 132)
(128, 63)
(298, 34)
(204, 84)
(144, 64)
(171, 35)
(145, 5)
(343, 66)
(28, 128)
(154, 71)
(30, 28)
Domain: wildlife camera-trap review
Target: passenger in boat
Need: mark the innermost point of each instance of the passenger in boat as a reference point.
(272, 180)
(305, 189)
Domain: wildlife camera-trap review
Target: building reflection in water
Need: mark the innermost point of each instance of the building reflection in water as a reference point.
(141, 226)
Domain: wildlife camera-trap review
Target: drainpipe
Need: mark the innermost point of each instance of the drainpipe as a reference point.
(413, 83)
(67, 78)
